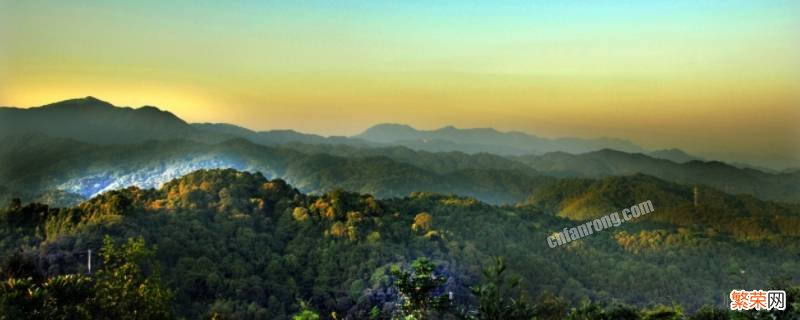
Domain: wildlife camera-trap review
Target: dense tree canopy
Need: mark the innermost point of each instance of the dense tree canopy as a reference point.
(120, 289)
(236, 245)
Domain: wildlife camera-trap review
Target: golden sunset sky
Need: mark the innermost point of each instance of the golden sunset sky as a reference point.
(714, 78)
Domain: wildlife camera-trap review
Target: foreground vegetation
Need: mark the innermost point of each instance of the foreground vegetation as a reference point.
(235, 245)
(120, 289)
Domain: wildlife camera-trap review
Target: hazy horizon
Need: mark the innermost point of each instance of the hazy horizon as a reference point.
(719, 80)
(731, 158)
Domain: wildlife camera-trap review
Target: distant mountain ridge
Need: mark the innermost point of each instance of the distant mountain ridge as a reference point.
(92, 120)
(33, 165)
(275, 137)
(725, 177)
(95, 121)
(674, 155)
(489, 140)
(446, 162)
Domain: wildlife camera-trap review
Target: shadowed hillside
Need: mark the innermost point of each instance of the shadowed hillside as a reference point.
(37, 164)
(92, 120)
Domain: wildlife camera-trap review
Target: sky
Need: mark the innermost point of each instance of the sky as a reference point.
(714, 78)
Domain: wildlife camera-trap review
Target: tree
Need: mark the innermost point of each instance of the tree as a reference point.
(660, 312)
(421, 291)
(338, 229)
(122, 289)
(550, 307)
(305, 313)
(300, 214)
(60, 297)
(422, 221)
(21, 265)
(119, 290)
(710, 313)
(588, 311)
(500, 297)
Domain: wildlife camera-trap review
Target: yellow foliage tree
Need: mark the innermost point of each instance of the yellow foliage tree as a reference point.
(338, 230)
(320, 205)
(329, 213)
(300, 214)
(374, 237)
(352, 233)
(354, 217)
(422, 221)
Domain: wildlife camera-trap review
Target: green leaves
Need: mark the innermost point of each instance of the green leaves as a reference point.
(268, 248)
(499, 297)
(119, 290)
(122, 289)
(421, 291)
(61, 297)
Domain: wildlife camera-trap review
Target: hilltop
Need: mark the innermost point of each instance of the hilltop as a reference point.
(92, 120)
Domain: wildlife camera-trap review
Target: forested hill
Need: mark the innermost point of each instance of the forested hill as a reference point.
(783, 187)
(240, 245)
(700, 208)
(93, 120)
(36, 165)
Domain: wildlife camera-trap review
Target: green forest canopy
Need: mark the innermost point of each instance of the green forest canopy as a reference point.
(235, 243)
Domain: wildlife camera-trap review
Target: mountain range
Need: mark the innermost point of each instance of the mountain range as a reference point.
(725, 177)
(33, 165)
(486, 140)
(246, 223)
(95, 121)
(78, 148)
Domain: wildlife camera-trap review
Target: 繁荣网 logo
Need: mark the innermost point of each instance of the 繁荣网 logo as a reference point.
(758, 300)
